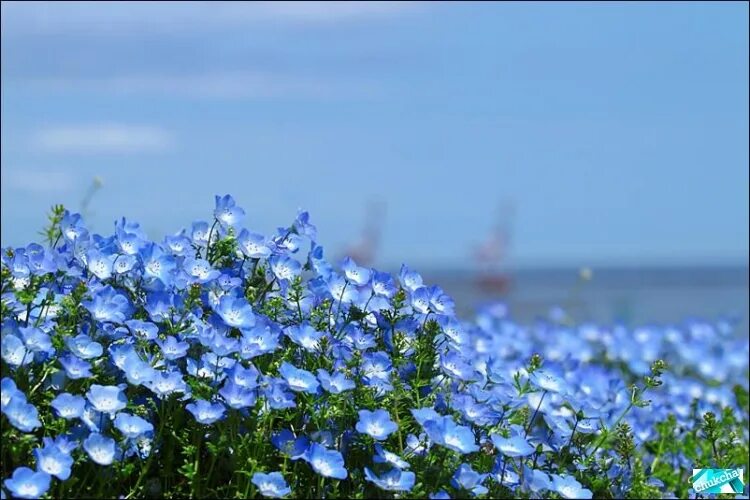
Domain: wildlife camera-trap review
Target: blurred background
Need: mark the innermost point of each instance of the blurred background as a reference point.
(588, 155)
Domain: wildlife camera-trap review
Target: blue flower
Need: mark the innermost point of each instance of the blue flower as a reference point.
(172, 348)
(515, 446)
(286, 443)
(354, 273)
(9, 392)
(199, 270)
(235, 312)
(377, 424)
(260, 340)
(393, 480)
(158, 264)
(409, 279)
(107, 398)
(446, 432)
(384, 456)
(548, 381)
(440, 495)
(72, 228)
(468, 479)
(143, 330)
(304, 335)
(165, 383)
(568, 487)
(205, 412)
(36, 340)
(336, 383)
(14, 352)
(53, 461)
(284, 268)
(420, 300)
(132, 426)
(271, 485)
(26, 483)
(68, 406)
(84, 347)
(253, 245)
(99, 264)
(108, 305)
(383, 285)
(227, 212)
(101, 449)
(327, 463)
(298, 380)
(236, 396)
(22, 415)
(75, 368)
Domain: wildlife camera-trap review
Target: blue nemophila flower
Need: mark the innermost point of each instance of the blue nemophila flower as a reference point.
(158, 264)
(172, 348)
(132, 426)
(446, 432)
(327, 463)
(284, 268)
(107, 398)
(68, 406)
(165, 383)
(205, 412)
(72, 228)
(456, 367)
(468, 479)
(569, 487)
(304, 335)
(36, 340)
(14, 352)
(227, 212)
(515, 446)
(54, 461)
(260, 340)
(392, 480)
(101, 449)
(440, 495)
(235, 312)
(354, 273)
(84, 347)
(341, 290)
(25, 483)
(548, 381)
(199, 270)
(236, 396)
(9, 392)
(420, 300)
(271, 485)
(383, 456)
(286, 443)
(99, 264)
(409, 279)
(253, 245)
(107, 304)
(417, 445)
(377, 424)
(383, 285)
(75, 367)
(143, 330)
(336, 383)
(22, 415)
(298, 380)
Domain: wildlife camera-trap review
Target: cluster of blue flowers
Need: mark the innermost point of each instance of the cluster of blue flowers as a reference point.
(220, 361)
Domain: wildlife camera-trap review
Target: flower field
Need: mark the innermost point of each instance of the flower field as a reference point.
(218, 362)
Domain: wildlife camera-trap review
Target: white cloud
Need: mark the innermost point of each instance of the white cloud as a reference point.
(222, 85)
(38, 181)
(102, 138)
(125, 18)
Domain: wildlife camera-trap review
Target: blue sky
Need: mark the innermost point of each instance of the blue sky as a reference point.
(618, 132)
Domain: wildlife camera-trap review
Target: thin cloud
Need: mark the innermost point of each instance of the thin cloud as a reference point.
(221, 85)
(36, 181)
(126, 18)
(102, 138)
